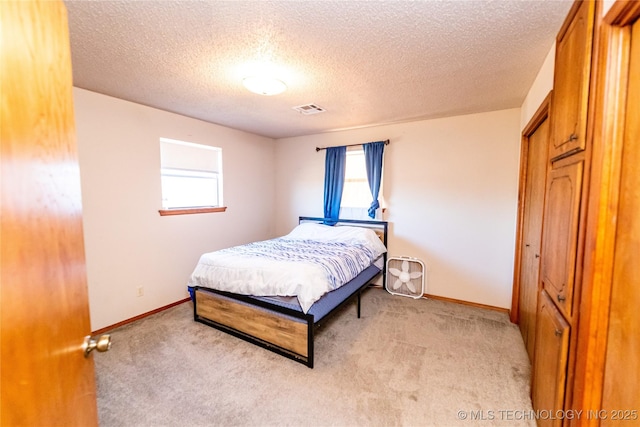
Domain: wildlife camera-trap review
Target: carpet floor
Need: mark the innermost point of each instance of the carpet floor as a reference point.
(405, 362)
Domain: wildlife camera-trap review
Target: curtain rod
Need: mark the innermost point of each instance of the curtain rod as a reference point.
(386, 142)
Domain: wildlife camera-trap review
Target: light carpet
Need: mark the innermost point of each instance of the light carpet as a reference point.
(405, 362)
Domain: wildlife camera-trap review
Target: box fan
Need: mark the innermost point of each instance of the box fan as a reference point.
(405, 276)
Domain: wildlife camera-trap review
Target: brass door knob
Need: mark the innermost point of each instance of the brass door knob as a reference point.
(102, 344)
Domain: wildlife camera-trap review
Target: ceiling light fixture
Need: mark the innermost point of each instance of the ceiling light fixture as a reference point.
(263, 85)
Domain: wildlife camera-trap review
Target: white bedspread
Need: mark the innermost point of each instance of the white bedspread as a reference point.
(307, 263)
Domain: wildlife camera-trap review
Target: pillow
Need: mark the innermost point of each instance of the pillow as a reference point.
(310, 231)
(340, 233)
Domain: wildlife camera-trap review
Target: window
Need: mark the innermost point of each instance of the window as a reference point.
(191, 176)
(356, 194)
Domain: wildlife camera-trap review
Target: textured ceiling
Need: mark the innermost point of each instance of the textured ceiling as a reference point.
(365, 62)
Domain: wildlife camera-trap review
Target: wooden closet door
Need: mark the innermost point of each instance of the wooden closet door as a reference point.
(560, 234)
(571, 80)
(533, 208)
(550, 362)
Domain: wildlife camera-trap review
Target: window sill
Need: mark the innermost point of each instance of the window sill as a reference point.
(188, 211)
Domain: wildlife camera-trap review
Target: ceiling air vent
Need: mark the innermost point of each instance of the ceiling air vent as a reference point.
(309, 109)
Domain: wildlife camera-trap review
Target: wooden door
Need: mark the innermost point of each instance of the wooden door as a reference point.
(530, 247)
(560, 231)
(607, 352)
(621, 390)
(45, 378)
(550, 361)
(571, 79)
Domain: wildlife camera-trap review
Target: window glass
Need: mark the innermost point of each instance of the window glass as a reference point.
(191, 175)
(356, 194)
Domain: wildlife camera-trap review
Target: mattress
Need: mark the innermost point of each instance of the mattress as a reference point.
(309, 262)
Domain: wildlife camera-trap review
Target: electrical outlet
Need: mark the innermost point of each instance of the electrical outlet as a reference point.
(140, 291)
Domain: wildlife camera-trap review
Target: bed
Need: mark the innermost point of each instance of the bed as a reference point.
(276, 313)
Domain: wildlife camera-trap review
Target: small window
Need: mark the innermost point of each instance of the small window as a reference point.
(356, 194)
(191, 175)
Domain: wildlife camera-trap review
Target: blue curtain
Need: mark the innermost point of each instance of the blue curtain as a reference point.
(373, 152)
(334, 166)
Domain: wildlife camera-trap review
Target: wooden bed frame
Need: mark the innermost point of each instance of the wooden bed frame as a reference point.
(275, 325)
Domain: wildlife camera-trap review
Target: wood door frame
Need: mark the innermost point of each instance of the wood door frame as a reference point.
(542, 113)
(610, 90)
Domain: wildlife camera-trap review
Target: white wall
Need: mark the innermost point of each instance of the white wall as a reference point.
(450, 186)
(606, 6)
(540, 88)
(451, 191)
(128, 244)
